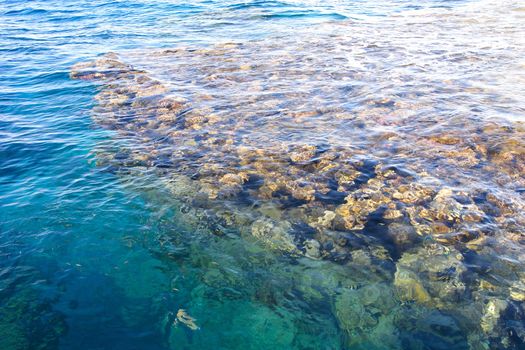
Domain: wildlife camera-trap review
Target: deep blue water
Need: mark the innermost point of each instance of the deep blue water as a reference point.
(82, 264)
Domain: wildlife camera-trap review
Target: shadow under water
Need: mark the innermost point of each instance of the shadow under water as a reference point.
(363, 178)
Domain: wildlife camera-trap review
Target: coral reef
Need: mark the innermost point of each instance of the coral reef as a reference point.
(422, 203)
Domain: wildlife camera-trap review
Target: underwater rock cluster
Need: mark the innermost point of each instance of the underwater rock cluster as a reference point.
(285, 150)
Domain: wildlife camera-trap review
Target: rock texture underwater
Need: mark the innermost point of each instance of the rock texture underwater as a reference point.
(389, 174)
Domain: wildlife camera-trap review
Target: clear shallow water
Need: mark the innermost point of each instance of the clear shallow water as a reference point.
(94, 259)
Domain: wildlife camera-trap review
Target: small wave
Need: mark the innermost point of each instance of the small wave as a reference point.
(256, 4)
(300, 15)
(26, 11)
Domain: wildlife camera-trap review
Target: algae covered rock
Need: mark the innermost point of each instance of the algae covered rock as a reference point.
(410, 287)
(431, 275)
(517, 291)
(430, 329)
(491, 314)
(312, 248)
(29, 322)
(365, 314)
(276, 235)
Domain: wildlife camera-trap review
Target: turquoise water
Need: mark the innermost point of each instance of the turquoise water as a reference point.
(91, 259)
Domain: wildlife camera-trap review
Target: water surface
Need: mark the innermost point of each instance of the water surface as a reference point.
(403, 118)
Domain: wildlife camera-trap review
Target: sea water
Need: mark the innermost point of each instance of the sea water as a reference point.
(99, 253)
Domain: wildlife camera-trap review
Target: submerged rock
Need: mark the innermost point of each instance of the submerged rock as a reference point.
(364, 312)
(433, 276)
(430, 329)
(391, 185)
(274, 235)
(491, 315)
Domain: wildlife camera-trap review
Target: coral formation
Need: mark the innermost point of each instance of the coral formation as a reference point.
(420, 202)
